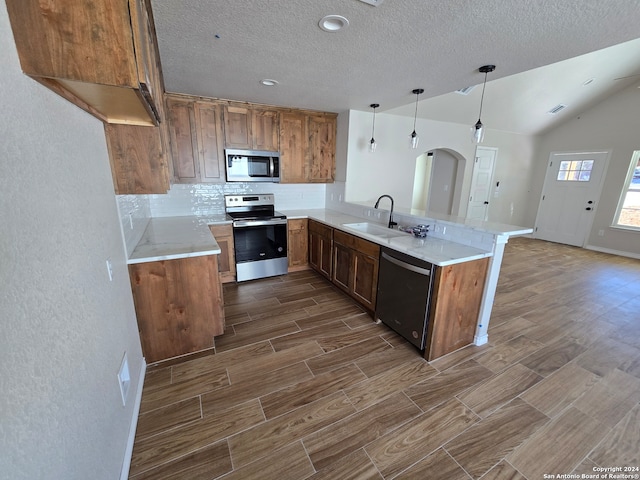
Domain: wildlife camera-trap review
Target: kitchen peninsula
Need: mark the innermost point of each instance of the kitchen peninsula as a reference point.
(183, 248)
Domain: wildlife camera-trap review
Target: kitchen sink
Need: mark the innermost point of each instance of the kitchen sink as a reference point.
(379, 231)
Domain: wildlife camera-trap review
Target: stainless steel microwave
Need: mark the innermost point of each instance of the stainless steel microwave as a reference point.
(252, 165)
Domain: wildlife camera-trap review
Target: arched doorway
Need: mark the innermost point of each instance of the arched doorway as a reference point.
(438, 180)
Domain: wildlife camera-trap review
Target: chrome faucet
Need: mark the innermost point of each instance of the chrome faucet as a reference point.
(391, 222)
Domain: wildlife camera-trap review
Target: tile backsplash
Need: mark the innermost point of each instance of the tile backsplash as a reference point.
(208, 199)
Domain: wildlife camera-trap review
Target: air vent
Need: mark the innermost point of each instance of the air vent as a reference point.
(557, 108)
(465, 90)
(375, 3)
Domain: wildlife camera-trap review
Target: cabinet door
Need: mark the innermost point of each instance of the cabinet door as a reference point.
(138, 159)
(320, 247)
(342, 267)
(292, 147)
(455, 306)
(226, 260)
(265, 126)
(365, 279)
(209, 135)
(322, 148)
(178, 305)
(183, 144)
(237, 127)
(297, 244)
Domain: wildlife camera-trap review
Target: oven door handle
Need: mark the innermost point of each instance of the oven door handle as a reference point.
(259, 223)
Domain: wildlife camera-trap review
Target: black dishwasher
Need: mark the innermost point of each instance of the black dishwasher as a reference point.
(404, 291)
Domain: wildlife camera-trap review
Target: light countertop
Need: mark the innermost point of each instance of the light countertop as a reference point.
(434, 250)
(169, 238)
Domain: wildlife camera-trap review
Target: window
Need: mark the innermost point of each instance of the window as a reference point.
(628, 214)
(575, 171)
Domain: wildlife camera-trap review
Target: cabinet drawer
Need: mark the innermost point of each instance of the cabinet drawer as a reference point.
(320, 229)
(363, 246)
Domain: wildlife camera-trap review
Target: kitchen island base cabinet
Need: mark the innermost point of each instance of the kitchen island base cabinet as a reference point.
(178, 305)
(455, 307)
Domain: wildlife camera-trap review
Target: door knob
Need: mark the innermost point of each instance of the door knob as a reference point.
(486, 203)
(588, 208)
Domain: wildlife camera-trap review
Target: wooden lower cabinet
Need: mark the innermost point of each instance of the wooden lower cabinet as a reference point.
(455, 306)
(297, 244)
(178, 305)
(226, 260)
(355, 267)
(320, 248)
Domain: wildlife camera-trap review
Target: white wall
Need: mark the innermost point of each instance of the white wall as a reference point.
(391, 168)
(65, 327)
(610, 125)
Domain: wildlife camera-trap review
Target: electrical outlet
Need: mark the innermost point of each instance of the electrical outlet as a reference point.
(131, 220)
(377, 214)
(601, 233)
(124, 379)
(110, 269)
(340, 197)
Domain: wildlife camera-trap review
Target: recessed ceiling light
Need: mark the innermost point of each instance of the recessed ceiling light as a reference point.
(375, 3)
(268, 82)
(333, 23)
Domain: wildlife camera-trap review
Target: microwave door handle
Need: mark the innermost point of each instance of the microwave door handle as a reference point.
(271, 167)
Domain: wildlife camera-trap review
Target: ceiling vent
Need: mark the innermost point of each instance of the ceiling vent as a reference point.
(557, 108)
(375, 3)
(465, 90)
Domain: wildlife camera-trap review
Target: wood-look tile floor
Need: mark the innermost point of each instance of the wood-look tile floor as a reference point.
(304, 385)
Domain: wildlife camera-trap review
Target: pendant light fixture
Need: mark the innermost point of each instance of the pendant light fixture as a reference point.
(372, 143)
(414, 136)
(477, 131)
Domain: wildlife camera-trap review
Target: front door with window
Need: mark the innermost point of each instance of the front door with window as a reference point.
(570, 196)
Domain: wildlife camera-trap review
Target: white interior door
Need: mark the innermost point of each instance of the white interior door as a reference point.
(569, 197)
(483, 166)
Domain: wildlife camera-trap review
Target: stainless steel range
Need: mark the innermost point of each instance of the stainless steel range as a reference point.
(259, 235)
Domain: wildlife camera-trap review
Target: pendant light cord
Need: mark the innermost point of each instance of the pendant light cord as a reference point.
(373, 128)
(482, 97)
(415, 114)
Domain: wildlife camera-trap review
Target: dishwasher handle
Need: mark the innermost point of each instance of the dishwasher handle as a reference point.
(407, 266)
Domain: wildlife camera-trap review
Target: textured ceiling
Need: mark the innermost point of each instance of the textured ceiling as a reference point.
(223, 49)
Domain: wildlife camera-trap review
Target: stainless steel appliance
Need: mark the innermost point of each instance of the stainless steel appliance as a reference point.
(404, 293)
(252, 165)
(259, 236)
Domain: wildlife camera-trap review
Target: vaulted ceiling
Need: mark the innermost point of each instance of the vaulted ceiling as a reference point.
(544, 51)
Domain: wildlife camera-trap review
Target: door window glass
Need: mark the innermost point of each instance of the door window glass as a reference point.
(575, 171)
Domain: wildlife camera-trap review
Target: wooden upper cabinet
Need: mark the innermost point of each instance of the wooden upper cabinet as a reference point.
(138, 159)
(322, 148)
(307, 147)
(210, 141)
(237, 127)
(251, 128)
(196, 140)
(293, 127)
(102, 58)
(265, 127)
(182, 136)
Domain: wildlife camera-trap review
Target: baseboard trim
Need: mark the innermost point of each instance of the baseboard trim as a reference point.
(613, 252)
(126, 463)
